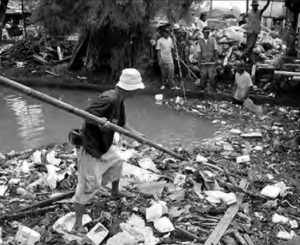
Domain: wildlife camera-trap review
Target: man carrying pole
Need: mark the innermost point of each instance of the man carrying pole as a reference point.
(253, 26)
(99, 161)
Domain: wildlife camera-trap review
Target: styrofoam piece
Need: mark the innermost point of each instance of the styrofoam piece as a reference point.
(97, 234)
(242, 159)
(27, 236)
(252, 135)
(271, 191)
(163, 225)
(200, 158)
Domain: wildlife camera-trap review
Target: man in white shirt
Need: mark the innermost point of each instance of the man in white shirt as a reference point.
(201, 23)
(164, 48)
(243, 83)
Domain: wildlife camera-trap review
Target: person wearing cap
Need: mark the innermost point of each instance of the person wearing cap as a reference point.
(99, 160)
(207, 58)
(253, 26)
(164, 49)
(243, 83)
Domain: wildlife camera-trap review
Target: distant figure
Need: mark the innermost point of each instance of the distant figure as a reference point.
(164, 49)
(243, 83)
(201, 23)
(253, 26)
(207, 58)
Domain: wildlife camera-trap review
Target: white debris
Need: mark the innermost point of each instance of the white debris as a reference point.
(159, 97)
(271, 191)
(252, 135)
(216, 197)
(52, 159)
(235, 131)
(37, 157)
(242, 159)
(200, 158)
(284, 235)
(280, 219)
(3, 189)
(27, 236)
(97, 234)
(179, 180)
(156, 211)
(163, 225)
(14, 181)
(147, 163)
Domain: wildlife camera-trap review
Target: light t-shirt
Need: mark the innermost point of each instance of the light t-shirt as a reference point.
(243, 82)
(165, 46)
(201, 24)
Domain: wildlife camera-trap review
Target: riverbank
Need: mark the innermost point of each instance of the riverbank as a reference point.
(249, 151)
(87, 81)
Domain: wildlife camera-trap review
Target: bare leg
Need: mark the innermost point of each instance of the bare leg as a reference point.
(78, 227)
(115, 191)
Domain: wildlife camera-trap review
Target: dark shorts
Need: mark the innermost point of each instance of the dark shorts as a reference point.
(237, 102)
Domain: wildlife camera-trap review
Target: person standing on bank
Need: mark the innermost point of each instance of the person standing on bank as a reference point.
(207, 58)
(243, 83)
(201, 23)
(164, 49)
(99, 160)
(253, 26)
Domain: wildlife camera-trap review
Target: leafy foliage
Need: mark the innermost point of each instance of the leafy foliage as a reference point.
(61, 17)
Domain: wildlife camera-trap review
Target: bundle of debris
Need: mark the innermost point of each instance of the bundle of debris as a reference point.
(240, 187)
(34, 53)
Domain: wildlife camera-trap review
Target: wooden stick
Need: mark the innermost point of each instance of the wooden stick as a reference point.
(83, 114)
(48, 201)
(238, 189)
(219, 231)
(22, 215)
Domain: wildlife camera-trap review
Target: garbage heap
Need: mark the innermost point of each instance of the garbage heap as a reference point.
(239, 187)
(35, 52)
(231, 45)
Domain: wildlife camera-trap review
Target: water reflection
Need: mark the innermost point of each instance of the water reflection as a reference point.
(30, 119)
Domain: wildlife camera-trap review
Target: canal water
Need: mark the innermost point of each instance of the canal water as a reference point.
(26, 123)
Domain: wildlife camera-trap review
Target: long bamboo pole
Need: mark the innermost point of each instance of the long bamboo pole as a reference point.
(83, 114)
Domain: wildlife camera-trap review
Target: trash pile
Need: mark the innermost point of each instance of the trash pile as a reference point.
(231, 45)
(34, 53)
(239, 187)
(231, 42)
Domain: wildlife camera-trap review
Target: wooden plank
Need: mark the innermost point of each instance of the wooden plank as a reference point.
(218, 232)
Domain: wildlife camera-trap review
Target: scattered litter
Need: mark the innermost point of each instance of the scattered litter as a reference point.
(163, 225)
(216, 197)
(156, 211)
(252, 135)
(3, 189)
(284, 235)
(97, 234)
(27, 236)
(242, 159)
(147, 163)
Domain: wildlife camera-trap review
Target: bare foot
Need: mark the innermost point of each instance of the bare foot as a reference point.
(79, 231)
(119, 195)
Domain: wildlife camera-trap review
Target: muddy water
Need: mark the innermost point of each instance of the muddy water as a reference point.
(27, 123)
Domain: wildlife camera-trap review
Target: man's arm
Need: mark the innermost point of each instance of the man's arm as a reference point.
(215, 50)
(99, 108)
(158, 48)
(265, 7)
(199, 53)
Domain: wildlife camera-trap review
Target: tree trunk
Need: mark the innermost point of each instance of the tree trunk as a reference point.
(3, 8)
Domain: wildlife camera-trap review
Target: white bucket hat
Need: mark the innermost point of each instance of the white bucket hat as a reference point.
(130, 80)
